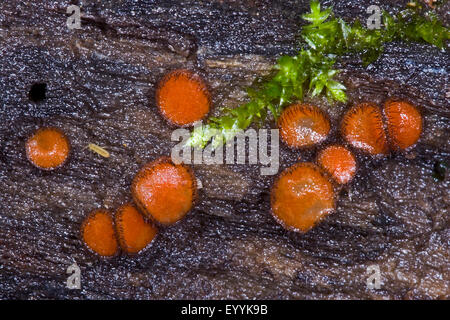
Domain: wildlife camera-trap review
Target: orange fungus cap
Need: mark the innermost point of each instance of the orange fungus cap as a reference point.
(47, 148)
(303, 125)
(182, 97)
(362, 127)
(404, 123)
(134, 232)
(301, 197)
(339, 162)
(98, 233)
(164, 191)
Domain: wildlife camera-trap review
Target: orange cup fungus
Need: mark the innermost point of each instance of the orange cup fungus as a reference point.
(98, 233)
(134, 232)
(164, 191)
(404, 124)
(303, 125)
(362, 127)
(301, 196)
(47, 148)
(339, 162)
(182, 97)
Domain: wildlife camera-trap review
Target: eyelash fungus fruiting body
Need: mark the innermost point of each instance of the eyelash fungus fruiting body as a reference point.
(404, 124)
(134, 232)
(301, 196)
(48, 148)
(98, 233)
(183, 98)
(303, 125)
(362, 127)
(164, 191)
(339, 162)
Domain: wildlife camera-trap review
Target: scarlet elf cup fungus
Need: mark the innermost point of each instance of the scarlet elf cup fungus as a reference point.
(164, 191)
(301, 196)
(182, 97)
(303, 125)
(134, 232)
(47, 148)
(98, 233)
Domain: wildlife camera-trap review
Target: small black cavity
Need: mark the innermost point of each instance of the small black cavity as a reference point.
(439, 171)
(37, 92)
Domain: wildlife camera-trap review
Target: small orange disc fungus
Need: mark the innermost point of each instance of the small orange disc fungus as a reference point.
(362, 127)
(98, 233)
(302, 125)
(164, 191)
(47, 148)
(183, 97)
(301, 197)
(339, 162)
(134, 232)
(404, 124)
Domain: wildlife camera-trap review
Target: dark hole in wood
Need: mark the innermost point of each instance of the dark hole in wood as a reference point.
(37, 92)
(439, 170)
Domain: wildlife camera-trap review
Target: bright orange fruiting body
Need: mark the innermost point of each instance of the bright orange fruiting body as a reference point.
(182, 97)
(301, 197)
(134, 232)
(339, 162)
(303, 125)
(98, 233)
(164, 191)
(404, 124)
(363, 128)
(47, 148)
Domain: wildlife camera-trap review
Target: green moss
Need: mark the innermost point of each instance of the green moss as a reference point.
(311, 71)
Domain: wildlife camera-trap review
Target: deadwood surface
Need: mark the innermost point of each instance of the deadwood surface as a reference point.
(100, 87)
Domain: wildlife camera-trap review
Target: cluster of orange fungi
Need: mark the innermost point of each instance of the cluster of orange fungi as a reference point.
(304, 193)
(164, 192)
(103, 234)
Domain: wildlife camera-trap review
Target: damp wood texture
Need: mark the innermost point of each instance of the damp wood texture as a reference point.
(99, 86)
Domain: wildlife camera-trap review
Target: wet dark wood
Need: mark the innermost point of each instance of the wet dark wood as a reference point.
(100, 86)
